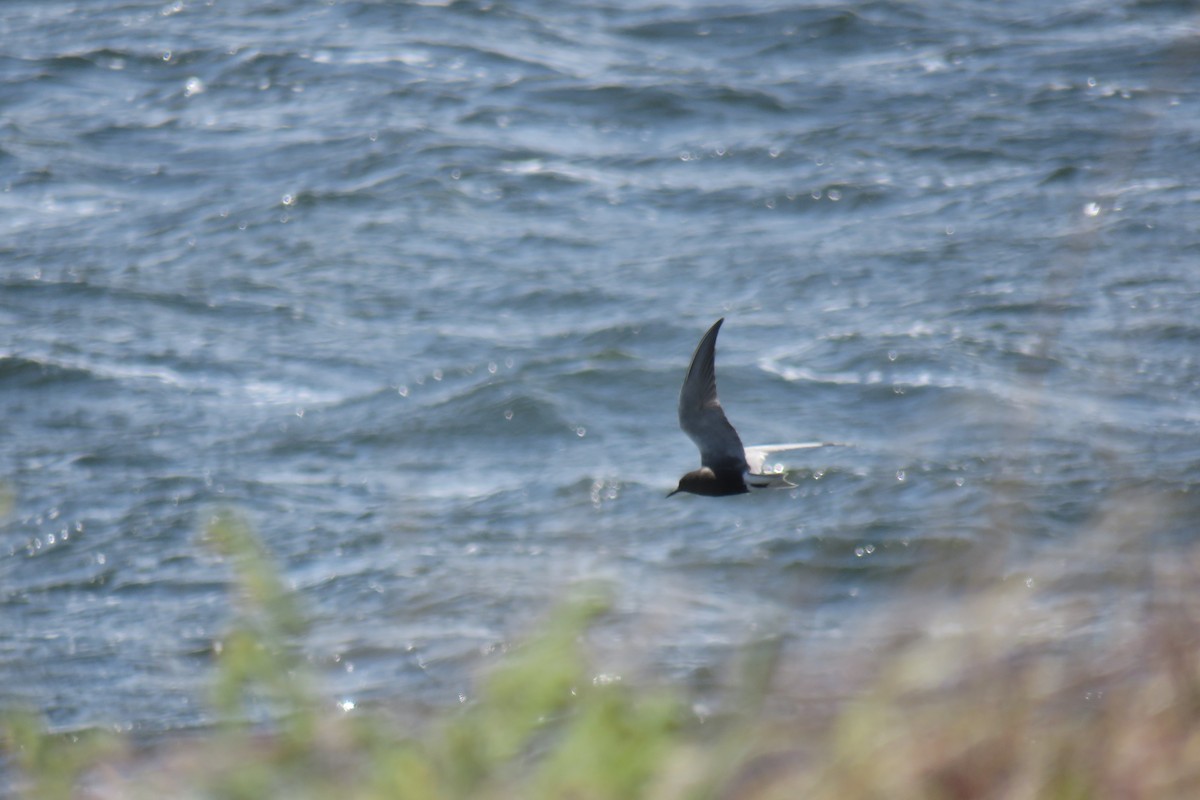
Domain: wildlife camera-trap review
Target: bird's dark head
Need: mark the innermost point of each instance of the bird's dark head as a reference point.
(699, 481)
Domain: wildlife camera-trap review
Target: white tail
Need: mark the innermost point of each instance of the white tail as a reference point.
(756, 456)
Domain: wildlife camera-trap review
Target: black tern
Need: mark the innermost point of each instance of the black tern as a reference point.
(726, 466)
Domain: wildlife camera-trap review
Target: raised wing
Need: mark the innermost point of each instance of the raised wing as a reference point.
(756, 456)
(700, 412)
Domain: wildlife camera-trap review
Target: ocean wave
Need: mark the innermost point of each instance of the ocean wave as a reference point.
(17, 372)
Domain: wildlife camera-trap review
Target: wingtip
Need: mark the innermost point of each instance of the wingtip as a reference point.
(711, 333)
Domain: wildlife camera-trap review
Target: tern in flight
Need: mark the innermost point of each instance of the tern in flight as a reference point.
(726, 466)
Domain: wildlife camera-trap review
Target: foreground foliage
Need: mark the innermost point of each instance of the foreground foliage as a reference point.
(985, 709)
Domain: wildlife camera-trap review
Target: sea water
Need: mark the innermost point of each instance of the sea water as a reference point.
(412, 287)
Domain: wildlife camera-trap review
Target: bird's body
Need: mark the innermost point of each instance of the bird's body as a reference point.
(727, 467)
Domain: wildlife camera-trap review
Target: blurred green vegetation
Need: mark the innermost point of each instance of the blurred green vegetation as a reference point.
(989, 711)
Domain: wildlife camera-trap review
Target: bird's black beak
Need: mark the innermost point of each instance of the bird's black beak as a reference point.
(677, 491)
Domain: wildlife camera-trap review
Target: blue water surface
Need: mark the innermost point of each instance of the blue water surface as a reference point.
(412, 287)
